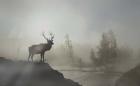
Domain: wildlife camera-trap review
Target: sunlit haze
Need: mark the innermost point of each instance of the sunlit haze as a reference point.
(23, 21)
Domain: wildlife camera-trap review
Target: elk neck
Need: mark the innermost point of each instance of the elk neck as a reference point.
(48, 46)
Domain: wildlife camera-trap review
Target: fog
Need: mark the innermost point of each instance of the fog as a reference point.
(86, 23)
(23, 21)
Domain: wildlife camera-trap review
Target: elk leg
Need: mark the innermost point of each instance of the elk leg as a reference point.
(29, 56)
(41, 57)
(32, 57)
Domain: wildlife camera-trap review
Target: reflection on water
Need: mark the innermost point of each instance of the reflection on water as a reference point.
(91, 78)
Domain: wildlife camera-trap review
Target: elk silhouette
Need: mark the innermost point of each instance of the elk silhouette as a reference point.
(41, 48)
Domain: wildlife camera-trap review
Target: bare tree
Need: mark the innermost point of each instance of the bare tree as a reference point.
(41, 48)
(69, 47)
(93, 57)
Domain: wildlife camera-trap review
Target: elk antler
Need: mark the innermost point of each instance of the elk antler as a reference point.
(52, 36)
(44, 36)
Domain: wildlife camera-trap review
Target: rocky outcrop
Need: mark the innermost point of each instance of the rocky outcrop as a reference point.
(31, 74)
(130, 78)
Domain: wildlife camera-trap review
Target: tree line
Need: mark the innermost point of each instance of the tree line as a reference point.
(107, 55)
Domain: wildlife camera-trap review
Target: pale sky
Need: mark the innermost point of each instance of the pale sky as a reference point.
(83, 20)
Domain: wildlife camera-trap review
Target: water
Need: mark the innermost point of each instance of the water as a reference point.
(91, 78)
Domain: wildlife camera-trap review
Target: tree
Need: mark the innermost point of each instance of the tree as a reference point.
(69, 47)
(107, 51)
(125, 54)
(93, 58)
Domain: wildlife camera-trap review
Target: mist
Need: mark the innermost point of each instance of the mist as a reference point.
(97, 39)
(22, 22)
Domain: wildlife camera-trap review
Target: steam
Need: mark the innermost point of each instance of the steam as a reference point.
(22, 23)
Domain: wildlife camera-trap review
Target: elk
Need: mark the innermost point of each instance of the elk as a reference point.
(41, 48)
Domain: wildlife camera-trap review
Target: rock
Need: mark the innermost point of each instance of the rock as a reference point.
(130, 78)
(31, 74)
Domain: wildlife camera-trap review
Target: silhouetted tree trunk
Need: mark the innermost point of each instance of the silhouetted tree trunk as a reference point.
(69, 47)
(93, 58)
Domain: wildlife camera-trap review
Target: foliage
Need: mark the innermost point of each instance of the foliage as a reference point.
(107, 51)
(93, 58)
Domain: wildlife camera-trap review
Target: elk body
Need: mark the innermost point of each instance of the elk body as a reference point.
(41, 48)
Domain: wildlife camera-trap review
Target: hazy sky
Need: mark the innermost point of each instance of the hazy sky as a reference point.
(83, 20)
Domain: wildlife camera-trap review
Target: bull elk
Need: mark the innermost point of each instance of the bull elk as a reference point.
(41, 48)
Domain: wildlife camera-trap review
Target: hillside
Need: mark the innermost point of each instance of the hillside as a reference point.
(130, 78)
(20, 73)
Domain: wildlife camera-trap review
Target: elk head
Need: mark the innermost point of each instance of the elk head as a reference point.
(49, 40)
